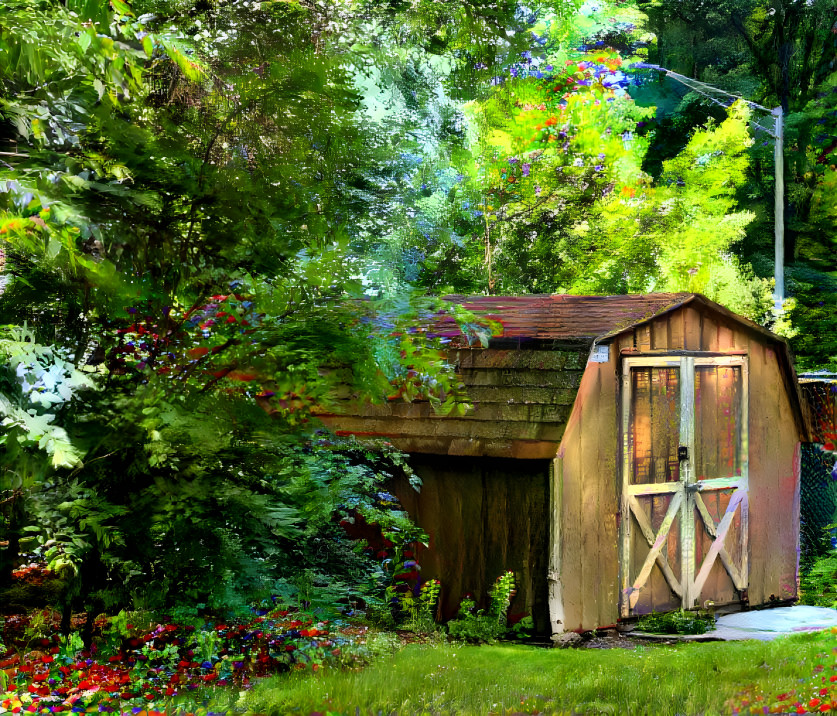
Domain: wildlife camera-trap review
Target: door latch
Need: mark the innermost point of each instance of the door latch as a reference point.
(682, 453)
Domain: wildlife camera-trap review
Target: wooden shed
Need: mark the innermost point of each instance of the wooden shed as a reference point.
(625, 454)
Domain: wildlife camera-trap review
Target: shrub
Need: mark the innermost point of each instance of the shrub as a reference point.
(818, 584)
(679, 622)
(477, 626)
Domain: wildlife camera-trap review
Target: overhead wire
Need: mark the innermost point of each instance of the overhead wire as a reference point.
(697, 85)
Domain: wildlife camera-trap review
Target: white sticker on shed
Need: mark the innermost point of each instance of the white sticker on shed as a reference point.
(600, 354)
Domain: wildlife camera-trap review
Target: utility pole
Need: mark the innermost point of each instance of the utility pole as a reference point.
(778, 135)
(779, 209)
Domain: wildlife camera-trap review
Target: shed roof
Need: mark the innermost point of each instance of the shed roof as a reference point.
(580, 319)
(562, 317)
(522, 399)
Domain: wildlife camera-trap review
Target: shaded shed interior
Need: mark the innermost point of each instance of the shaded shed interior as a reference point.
(484, 516)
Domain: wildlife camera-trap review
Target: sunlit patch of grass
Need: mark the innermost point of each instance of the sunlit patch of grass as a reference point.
(691, 678)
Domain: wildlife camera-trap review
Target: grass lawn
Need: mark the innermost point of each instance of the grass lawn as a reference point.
(689, 679)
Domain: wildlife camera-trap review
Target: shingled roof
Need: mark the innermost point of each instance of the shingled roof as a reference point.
(577, 320)
(523, 398)
(562, 317)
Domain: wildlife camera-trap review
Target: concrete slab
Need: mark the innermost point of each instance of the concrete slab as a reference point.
(766, 624)
(762, 624)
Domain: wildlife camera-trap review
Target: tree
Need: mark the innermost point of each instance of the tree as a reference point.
(178, 226)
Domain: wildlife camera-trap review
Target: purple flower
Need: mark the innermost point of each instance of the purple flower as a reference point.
(524, 169)
(548, 68)
(537, 190)
(512, 160)
(598, 167)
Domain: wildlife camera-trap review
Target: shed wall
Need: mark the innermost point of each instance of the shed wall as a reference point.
(585, 565)
(484, 516)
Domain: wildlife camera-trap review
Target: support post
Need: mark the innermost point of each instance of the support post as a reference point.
(779, 209)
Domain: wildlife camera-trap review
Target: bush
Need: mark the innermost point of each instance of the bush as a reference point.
(818, 584)
(477, 626)
(679, 622)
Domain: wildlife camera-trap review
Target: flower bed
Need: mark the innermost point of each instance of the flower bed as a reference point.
(166, 668)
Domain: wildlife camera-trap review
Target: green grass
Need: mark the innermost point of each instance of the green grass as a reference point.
(688, 679)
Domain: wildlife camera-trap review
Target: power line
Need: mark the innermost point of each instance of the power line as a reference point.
(778, 152)
(689, 82)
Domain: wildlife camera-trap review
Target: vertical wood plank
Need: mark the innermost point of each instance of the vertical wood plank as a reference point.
(592, 485)
(761, 479)
(676, 323)
(555, 579)
(660, 333)
(692, 329)
(726, 341)
(643, 340)
(571, 551)
(708, 333)
(607, 426)
(625, 564)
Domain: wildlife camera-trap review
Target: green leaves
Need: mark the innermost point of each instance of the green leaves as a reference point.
(43, 379)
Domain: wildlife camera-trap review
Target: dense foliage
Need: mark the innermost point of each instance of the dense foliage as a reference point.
(179, 298)
(215, 216)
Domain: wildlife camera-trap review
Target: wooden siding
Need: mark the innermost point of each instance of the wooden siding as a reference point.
(589, 477)
(484, 516)
(521, 401)
(585, 564)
